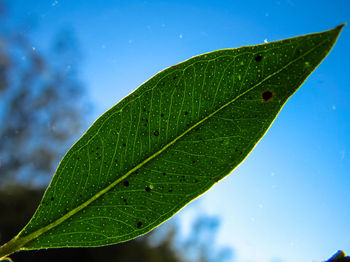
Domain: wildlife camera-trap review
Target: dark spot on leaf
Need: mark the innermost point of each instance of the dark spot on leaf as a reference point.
(186, 113)
(124, 145)
(193, 161)
(115, 160)
(174, 77)
(170, 190)
(258, 58)
(267, 96)
(196, 180)
(52, 198)
(139, 224)
(164, 174)
(145, 124)
(161, 115)
(148, 189)
(125, 201)
(156, 133)
(126, 183)
(136, 172)
(144, 110)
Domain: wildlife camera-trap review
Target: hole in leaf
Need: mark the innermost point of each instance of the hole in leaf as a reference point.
(267, 96)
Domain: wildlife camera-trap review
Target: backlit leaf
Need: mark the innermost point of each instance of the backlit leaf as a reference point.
(168, 142)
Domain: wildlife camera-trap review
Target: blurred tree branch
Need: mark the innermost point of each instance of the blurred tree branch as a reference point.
(42, 104)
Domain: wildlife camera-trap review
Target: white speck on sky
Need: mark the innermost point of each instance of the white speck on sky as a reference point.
(54, 3)
(180, 36)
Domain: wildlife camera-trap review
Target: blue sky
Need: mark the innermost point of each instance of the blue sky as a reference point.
(290, 199)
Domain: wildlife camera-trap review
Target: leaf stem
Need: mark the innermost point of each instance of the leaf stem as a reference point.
(15, 244)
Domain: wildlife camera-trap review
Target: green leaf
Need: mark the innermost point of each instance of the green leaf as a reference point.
(168, 142)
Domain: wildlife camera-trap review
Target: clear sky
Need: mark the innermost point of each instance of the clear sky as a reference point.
(290, 200)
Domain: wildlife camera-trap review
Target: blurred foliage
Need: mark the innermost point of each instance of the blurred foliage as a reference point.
(340, 256)
(42, 103)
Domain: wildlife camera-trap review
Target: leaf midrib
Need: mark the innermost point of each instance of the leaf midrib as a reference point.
(30, 237)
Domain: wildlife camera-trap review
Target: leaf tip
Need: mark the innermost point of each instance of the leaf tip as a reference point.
(341, 26)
